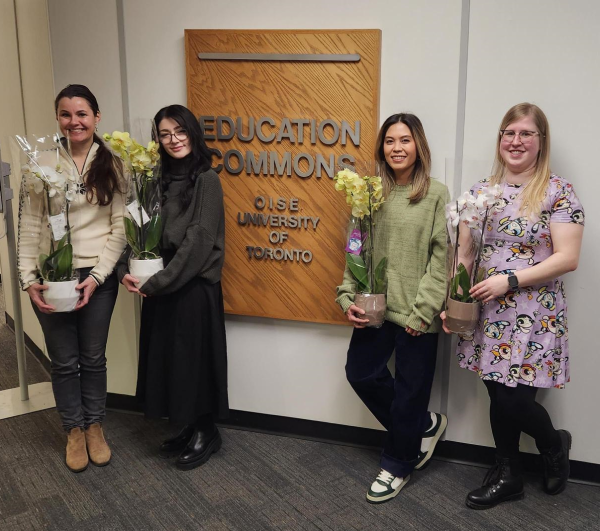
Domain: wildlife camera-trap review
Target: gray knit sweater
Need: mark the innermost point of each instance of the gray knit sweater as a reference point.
(196, 234)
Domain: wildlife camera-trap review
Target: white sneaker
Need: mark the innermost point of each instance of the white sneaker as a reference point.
(385, 487)
(430, 439)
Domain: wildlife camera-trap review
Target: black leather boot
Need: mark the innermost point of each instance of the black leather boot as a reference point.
(556, 465)
(174, 446)
(503, 482)
(204, 442)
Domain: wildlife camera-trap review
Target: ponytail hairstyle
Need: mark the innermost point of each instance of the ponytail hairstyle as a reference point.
(420, 177)
(201, 155)
(103, 178)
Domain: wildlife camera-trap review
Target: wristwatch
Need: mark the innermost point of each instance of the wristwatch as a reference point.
(513, 281)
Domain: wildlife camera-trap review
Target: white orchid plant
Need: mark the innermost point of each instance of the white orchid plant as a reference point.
(58, 186)
(469, 212)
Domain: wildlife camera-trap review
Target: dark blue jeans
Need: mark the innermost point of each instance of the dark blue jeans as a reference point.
(76, 344)
(399, 403)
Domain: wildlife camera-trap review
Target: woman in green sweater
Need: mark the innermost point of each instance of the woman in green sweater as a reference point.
(411, 232)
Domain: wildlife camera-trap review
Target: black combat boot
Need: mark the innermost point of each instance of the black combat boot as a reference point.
(205, 441)
(556, 465)
(174, 446)
(503, 482)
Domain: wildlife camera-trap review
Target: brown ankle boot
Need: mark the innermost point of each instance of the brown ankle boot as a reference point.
(96, 445)
(77, 456)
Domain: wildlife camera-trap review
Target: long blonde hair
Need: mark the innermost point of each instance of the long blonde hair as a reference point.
(421, 172)
(534, 192)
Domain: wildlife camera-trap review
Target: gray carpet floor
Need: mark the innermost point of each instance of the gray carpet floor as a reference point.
(256, 482)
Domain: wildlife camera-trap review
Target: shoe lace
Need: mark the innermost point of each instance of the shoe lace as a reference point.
(493, 474)
(552, 461)
(385, 477)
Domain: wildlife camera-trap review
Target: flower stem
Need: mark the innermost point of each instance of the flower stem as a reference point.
(478, 257)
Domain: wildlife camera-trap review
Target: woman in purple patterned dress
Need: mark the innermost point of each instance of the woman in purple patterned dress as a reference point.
(532, 237)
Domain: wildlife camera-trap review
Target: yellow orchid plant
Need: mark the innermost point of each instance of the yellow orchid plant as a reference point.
(143, 225)
(364, 194)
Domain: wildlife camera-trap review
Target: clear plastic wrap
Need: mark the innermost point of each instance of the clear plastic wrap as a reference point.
(467, 220)
(362, 184)
(45, 249)
(143, 223)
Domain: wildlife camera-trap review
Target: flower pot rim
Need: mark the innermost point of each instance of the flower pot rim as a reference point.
(46, 282)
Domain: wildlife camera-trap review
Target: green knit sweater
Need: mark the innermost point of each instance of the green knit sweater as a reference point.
(413, 237)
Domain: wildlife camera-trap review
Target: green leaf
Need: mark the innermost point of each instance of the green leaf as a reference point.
(131, 235)
(479, 276)
(379, 276)
(359, 270)
(153, 234)
(65, 262)
(63, 240)
(461, 280)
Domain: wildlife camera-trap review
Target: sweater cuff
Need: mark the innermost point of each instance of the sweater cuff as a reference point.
(26, 285)
(416, 323)
(345, 302)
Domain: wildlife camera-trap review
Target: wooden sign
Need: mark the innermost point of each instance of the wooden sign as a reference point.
(284, 109)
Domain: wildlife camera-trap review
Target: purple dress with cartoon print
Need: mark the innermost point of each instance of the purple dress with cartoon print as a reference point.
(522, 337)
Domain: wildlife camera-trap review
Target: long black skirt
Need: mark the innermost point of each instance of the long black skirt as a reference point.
(183, 354)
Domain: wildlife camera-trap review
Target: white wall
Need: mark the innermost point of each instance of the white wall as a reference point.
(26, 107)
(279, 367)
(546, 52)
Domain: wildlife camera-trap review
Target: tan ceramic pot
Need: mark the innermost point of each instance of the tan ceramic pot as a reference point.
(374, 306)
(462, 317)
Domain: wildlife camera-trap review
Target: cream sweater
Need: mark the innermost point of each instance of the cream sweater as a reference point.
(97, 232)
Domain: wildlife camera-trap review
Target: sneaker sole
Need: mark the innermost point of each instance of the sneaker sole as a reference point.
(212, 449)
(436, 438)
(387, 497)
(477, 507)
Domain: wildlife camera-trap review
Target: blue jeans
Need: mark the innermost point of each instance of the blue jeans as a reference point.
(399, 403)
(76, 344)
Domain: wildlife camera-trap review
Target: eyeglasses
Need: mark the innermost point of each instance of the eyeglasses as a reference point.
(167, 138)
(526, 137)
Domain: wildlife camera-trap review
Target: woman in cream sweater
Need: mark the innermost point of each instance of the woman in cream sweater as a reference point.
(76, 341)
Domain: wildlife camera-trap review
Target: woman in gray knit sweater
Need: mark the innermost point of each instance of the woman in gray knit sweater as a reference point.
(183, 356)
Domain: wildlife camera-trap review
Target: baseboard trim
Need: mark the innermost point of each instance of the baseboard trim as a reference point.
(470, 454)
(313, 430)
(31, 346)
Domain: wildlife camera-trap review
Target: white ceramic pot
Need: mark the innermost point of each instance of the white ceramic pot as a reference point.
(62, 295)
(144, 269)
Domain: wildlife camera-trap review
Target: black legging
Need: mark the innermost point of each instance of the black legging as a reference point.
(514, 410)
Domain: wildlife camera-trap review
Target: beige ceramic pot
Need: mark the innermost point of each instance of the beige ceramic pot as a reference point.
(462, 317)
(374, 306)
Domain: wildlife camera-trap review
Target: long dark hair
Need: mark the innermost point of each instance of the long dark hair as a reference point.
(421, 172)
(102, 179)
(201, 155)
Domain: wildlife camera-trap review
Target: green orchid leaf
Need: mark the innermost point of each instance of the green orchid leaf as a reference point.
(64, 262)
(153, 233)
(359, 270)
(131, 235)
(379, 276)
